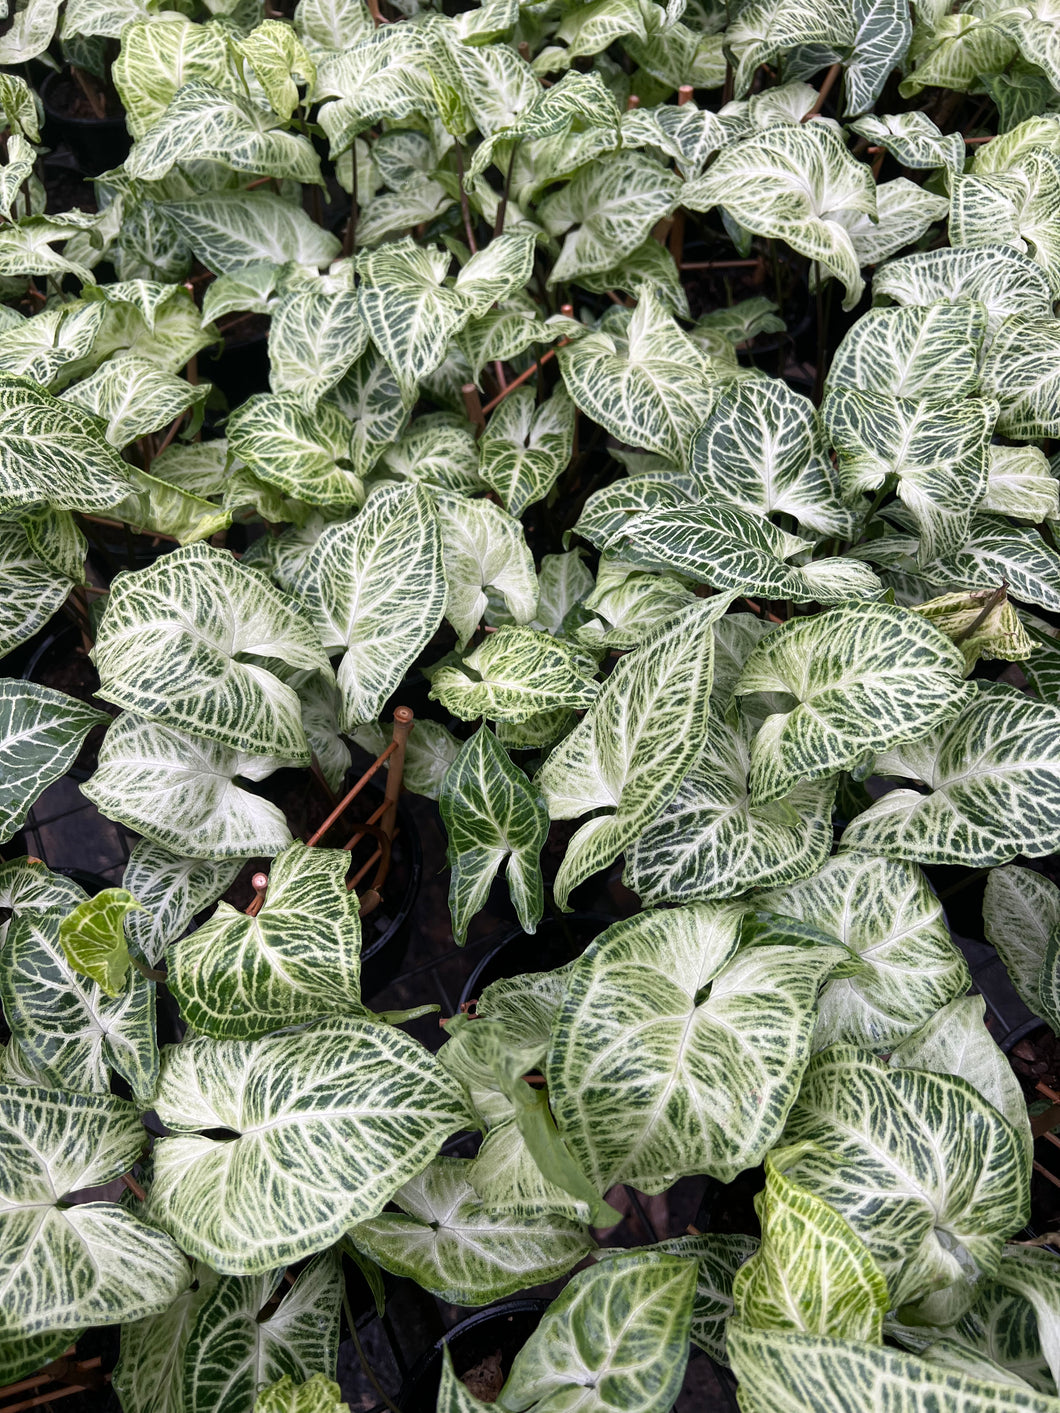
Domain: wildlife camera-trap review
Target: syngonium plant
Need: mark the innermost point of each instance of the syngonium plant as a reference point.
(728, 635)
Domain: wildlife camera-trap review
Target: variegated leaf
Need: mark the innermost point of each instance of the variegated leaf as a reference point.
(332, 1119)
(67, 1027)
(924, 1169)
(26, 246)
(276, 54)
(54, 452)
(329, 26)
(784, 183)
(298, 451)
(179, 792)
(982, 624)
(993, 773)
(158, 56)
(297, 959)
(67, 1266)
(732, 549)
(516, 673)
(526, 447)
(173, 643)
(711, 842)
(607, 211)
(633, 747)
(863, 679)
(376, 406)
(447, 1241)
(1017, 206)
(955, 1040)
(207, 123)
(763, 449)
(317, 1394)
(438, 450)
(93, 938)
(904, 212)
(375, 587)
(1021, 918)
(44, 348)
(927, 354)
(31, 590)
(884, 912)
(409, 312)
(132, 396)
(1020, 370)
(667, 1024)
(938, 453)
(41, 731)
(647, 385)
(1020, 484)
(812, 1274)
(170, 888)
(497, 271)
(314, 337)
(492, 814)
(915, 141)
(996, 276)
(622, 1326)
(231, 229)
(779, 1373)
(483, 547)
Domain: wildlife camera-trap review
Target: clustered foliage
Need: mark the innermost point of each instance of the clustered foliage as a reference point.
(734, 634)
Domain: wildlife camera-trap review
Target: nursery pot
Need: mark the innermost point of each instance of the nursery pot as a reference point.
(555, 943)
(98, 144)
(59, 661)
(385, 931)
(504, 1328)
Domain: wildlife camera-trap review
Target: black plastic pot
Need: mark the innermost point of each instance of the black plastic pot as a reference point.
(97, 144)
(555, 943)
(55, 650)
(385, 931)
(504, 1327)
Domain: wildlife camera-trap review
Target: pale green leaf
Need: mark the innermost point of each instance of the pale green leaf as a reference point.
(314, 337)
(995, 276)
(158, 56)
(929, 354)
(1020, 370)
(132, 396)
(439, 450)
(301, 452)
(982, 624)
(1021, 919)
(276, 54)
(44, 347)
(317, 1394)
(483, 547)
(231, 229)
(515, 673)
(170, 889)
(93, 938)
(526, 447)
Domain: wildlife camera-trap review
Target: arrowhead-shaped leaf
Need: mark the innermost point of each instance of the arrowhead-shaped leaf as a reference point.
(41, 731)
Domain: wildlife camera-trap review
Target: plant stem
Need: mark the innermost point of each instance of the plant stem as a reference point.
(998, 596)
(826, 88)
(369, 1372)
(465, 208)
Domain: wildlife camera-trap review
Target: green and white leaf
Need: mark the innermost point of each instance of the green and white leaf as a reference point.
(926, 354)
(276, 54)
(314, 337)
(438, 450)
(812, 1274)
(332, 1119)
(299, 958)
(492, 814)
(31, 590)
(1021, 919)
(483, 547)
(1020, 370)
(179, 792)
(863, 679)
(170, 888)
(229, 230)
(44, 347)
(995, 276)
(762, 448)
(630, 752)
(526, 447)
(915, 141)
(515, 673)
(67, 1266)
(301, 452)
(360, 602)
(711, 842)
(451, 1244)
(132, 396)
(93, 939)
(925, 1170)
(622, 1325)
(173, 643)
(667, 1024)
(994, 782)
(884, 912)
(158, 56)
(41, 731)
